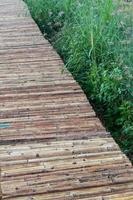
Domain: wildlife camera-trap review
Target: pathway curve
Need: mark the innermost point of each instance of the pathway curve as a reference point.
(52, 145)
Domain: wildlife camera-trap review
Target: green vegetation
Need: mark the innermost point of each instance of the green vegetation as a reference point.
(95, 40)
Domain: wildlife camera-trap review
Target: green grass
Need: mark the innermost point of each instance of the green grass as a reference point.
(95, 40)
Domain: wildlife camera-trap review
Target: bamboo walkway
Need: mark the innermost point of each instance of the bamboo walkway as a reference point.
(52, 145)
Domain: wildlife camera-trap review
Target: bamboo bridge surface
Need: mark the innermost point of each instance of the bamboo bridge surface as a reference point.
(52, 145)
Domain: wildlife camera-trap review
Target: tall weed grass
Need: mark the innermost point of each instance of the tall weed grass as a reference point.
(95, 40)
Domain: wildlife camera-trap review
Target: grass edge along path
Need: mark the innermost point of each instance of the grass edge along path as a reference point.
(95, 40)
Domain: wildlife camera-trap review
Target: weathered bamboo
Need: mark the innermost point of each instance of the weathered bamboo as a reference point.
(52, 145)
